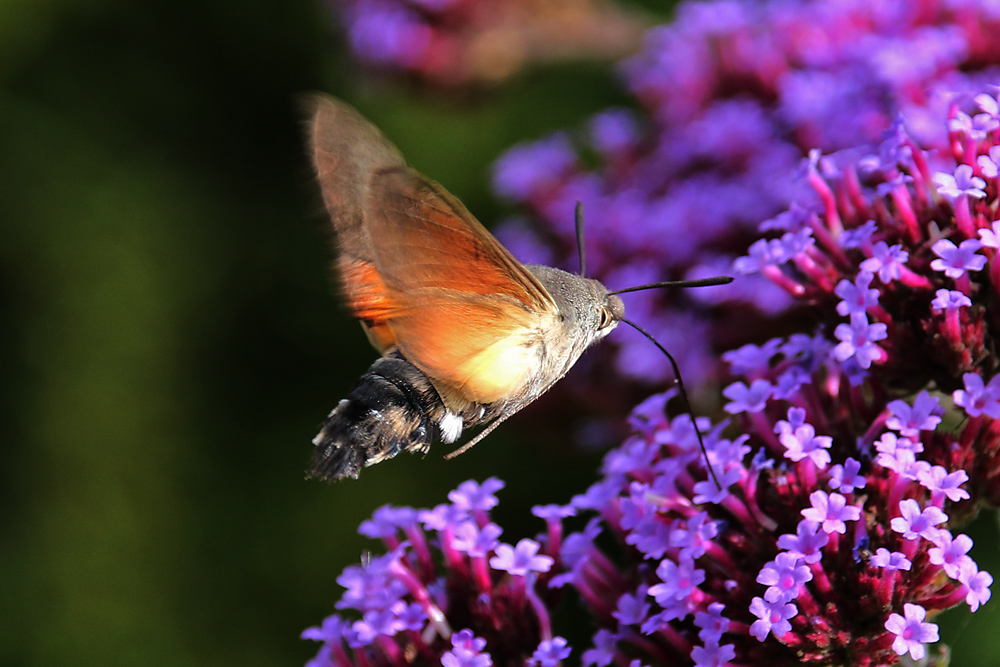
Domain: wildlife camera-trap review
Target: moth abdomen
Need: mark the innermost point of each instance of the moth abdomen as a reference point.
(392, 408)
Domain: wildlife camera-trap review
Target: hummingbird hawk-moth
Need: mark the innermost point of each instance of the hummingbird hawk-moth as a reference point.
(468, 335)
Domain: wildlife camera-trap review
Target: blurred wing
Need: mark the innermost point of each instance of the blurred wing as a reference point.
(347, 150)
(420, 272)
(426, 238)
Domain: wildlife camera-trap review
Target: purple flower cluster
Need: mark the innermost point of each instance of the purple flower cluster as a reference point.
(458, 42)
(797, 559)
(733, 95)
(860, 447)
(447, 592)
(917, 278)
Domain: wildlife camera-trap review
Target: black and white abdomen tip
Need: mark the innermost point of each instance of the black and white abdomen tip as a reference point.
(392, 408)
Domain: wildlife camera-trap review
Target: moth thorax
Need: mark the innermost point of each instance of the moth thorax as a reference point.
(588, 312)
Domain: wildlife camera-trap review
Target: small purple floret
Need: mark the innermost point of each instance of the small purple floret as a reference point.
(939, 481)
(783, 576)
(978, 583)
(858, 340)
(712, 623)
(713, 655)
(473, 496)
(804, 443)
(747, 399)
(857, 237)
(678, 581)
(956, 260)
(886, 261)
(707, 491)
(806, 543)
(772, 617)
(831, 511)
(466, 651)
(751, 358)
(477, 542)
(857, 298)
(911, 632)
(522, 559)
(924, 415)
(949, 300)
(990, 237)
(963, 182)
(978, 398)
(845, 478)
(553, 512)
(990, 164)
(887, 560)
(603, 653)
(950, 553)
(550, 652)
(915, 522)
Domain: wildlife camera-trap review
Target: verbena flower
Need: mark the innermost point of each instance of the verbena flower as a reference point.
(461, 42)
(911, 632)
(447, 592)
(798, 574)
(837, 541)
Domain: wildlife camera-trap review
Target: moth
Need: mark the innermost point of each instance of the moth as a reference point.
(468, 335)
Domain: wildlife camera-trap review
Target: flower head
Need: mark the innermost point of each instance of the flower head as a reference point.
(439, 577)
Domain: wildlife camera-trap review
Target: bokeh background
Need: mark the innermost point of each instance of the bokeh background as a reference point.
(170, 340)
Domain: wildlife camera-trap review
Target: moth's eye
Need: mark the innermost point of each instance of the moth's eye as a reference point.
(605, 318)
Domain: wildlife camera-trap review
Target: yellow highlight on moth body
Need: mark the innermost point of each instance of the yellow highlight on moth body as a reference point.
(503, 368)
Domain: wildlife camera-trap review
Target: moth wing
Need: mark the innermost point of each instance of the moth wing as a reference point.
(459, 306)
(419, 271)
(480, 349)
(347, 151)
(428, 239)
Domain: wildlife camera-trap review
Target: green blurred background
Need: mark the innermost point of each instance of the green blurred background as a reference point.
(169, 338)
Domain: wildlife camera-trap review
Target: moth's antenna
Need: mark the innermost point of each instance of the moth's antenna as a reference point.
(684, 395)
(579, 239)
(702, 282)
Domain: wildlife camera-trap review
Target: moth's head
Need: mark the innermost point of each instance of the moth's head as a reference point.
(587, 310)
